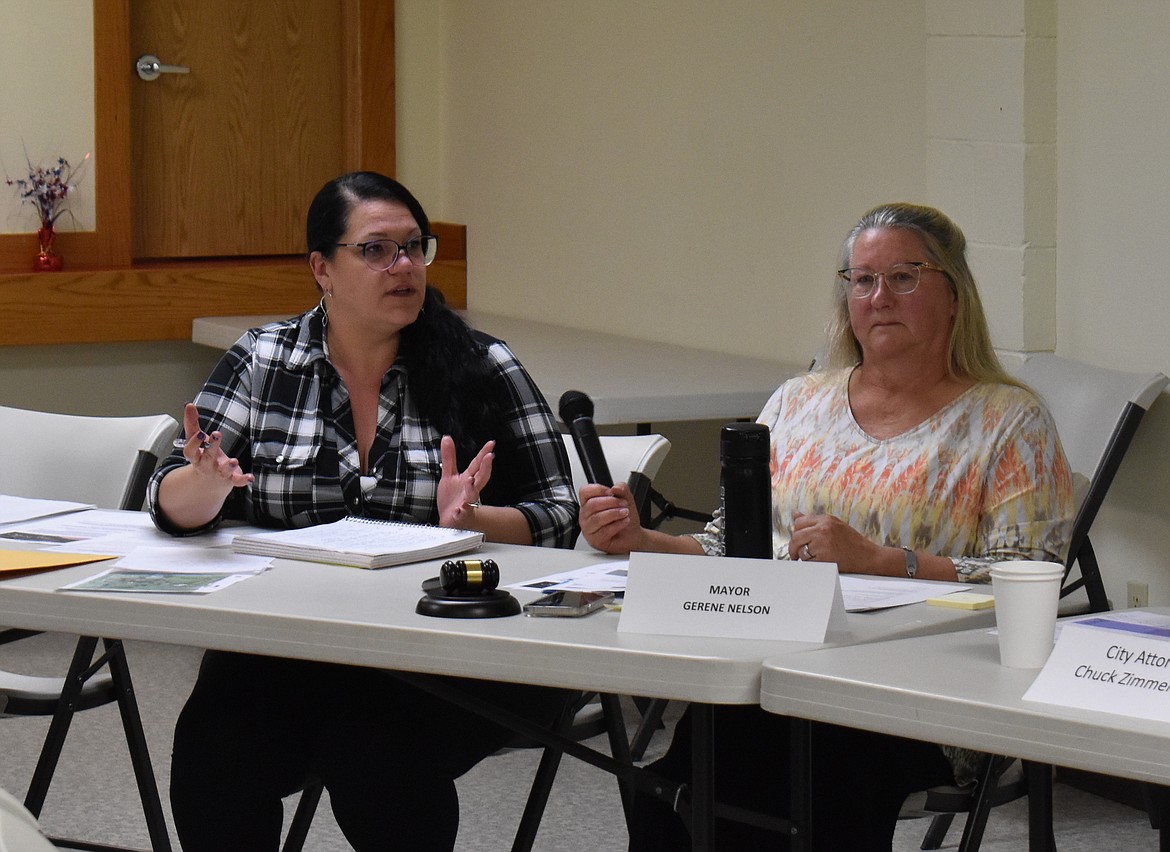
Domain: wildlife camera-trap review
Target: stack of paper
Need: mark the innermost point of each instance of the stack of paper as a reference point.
(16, 509)
(361, 543)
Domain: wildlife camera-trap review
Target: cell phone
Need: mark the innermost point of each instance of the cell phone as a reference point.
(571, 604)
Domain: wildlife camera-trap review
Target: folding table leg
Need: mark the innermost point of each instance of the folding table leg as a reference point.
(800, 775)
(702, 777)
(1158, 806)
(1039, 775)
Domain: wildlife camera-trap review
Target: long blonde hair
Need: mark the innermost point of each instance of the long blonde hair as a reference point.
(970, 353)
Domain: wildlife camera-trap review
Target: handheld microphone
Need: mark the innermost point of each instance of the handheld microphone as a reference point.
(576, 410)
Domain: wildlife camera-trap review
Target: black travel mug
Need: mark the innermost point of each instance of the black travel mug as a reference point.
(746, 490)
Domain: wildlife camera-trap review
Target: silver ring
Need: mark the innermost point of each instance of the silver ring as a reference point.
(806, 552)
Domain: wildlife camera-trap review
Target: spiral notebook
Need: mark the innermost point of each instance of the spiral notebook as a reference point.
(361, 543)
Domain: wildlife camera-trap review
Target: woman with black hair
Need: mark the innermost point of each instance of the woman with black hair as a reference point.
(380, 402)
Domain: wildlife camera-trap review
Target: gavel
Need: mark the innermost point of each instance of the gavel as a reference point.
(469, 576)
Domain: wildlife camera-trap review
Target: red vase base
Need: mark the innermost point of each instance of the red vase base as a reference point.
(46, 262)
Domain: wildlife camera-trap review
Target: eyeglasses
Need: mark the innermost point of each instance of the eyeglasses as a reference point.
(380, 255)
(901, 278)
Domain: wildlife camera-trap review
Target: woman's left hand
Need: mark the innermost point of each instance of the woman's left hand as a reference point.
(459, 492)
(824, 538)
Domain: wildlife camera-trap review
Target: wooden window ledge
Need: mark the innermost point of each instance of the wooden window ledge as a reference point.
(157, 301)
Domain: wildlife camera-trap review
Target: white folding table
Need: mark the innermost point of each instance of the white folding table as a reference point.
(354, 616)
(951, 689)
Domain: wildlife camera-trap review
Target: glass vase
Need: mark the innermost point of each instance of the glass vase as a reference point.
(47, 259)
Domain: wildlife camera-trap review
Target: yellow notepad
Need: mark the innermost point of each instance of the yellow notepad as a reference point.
(964, 600)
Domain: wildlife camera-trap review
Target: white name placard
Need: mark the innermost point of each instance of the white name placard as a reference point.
(1112, 664)
(680, 595)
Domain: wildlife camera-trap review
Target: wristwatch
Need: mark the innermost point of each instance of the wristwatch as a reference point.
(911, 562)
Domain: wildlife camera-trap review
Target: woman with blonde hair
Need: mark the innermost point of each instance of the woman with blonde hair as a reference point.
(911, 454)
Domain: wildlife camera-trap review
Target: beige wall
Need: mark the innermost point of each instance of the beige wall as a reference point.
(104, 380)
(683, 170)
(46, 103)
(1113, 299)
(675, 171)
(568, 129)
(660, 169)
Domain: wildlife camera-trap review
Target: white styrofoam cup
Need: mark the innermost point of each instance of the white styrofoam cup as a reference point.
(1026, 595)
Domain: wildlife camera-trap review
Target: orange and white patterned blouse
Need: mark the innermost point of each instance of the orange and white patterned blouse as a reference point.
(983, 480)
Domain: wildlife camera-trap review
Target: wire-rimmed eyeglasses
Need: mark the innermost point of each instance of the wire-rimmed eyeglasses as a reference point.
(901, 278)
(381, 254)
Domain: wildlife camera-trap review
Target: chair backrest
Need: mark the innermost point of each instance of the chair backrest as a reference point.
(624, 454)
(106, 461)
(1097, 412)
(630, 458)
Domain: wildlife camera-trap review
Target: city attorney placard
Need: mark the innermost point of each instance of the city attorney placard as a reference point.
(679, 595)
(1115, 662)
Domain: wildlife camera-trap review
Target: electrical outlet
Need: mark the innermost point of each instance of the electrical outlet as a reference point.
(1137, 594)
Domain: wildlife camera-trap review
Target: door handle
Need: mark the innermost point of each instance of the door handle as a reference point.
(149, 68)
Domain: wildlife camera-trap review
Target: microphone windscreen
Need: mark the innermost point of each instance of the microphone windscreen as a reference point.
(574, 404)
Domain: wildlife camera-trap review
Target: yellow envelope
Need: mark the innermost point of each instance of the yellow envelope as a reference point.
(16, 562)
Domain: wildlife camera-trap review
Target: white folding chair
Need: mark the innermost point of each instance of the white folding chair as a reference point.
(19, 831)
(106, 461)
(1097, 412)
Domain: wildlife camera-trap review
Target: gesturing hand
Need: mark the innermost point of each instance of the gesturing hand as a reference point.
(209, 463)
(459, 492)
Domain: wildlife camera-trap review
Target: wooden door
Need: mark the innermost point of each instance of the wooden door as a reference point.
(227, 157)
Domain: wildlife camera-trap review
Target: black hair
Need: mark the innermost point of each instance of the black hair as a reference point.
(446, 360)
(329, 213)
(449, 376)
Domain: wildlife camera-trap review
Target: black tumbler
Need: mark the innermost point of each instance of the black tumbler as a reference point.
(746, 489)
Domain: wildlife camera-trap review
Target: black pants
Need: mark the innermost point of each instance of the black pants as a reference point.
(256, 729)
(859, 781)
